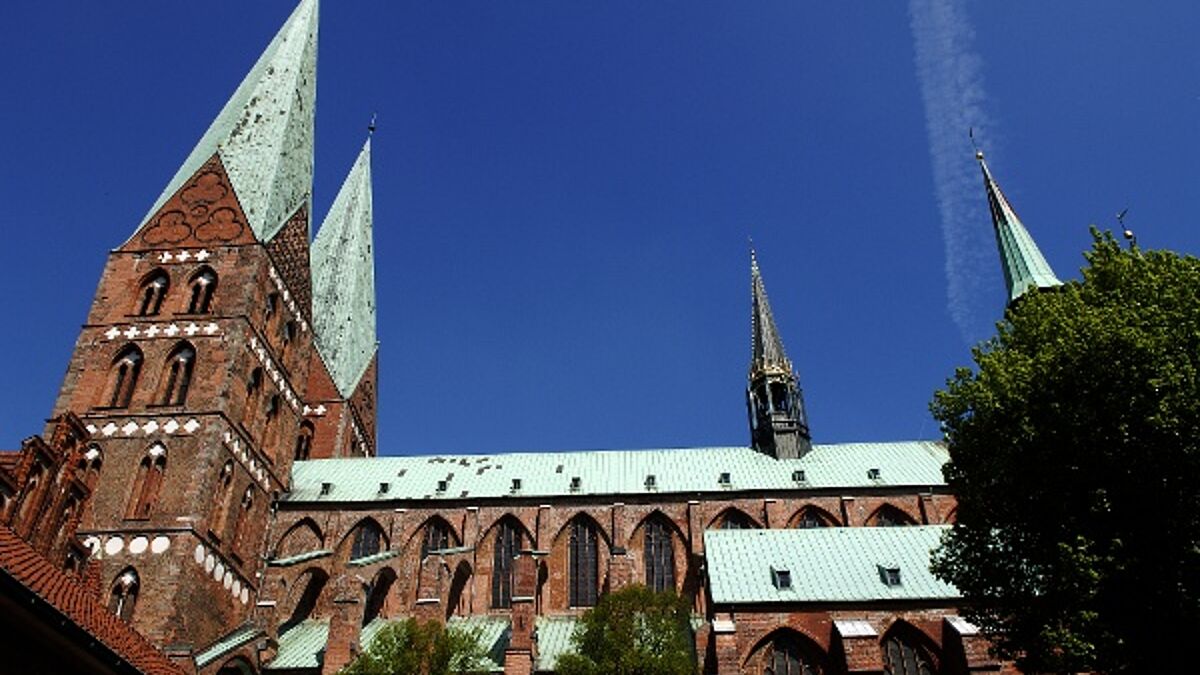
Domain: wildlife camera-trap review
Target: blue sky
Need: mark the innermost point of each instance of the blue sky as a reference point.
(564, 190)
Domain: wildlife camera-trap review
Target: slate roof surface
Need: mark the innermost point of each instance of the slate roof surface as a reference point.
(67, 595)
(615, 472)
(830, 564)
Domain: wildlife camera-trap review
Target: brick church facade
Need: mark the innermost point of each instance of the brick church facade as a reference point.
(211, 498)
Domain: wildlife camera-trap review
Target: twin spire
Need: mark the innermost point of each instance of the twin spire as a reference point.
(1024, 265)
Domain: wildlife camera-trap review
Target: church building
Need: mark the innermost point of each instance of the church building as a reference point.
(211, 497)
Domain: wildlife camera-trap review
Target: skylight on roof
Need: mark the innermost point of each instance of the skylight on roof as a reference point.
(890, 576)
(781, 578)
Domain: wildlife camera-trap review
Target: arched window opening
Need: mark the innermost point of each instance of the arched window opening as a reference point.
(810, 518)
(304, 441)
(659, 550)
(253, 394)
(736, 520)
(153, 291)
(147, 483)
(377, 594)
(288, 333)
(29, 512)
(90, 465)
(368, 540)
(219, 508)
(788, 655)
(241, 526)
(123, 377)
(65, 515)
(584, 563)
(504, 553)
(903, 655)
(123, 597)
(178, 375)
(437, 537)
(272, 308)
(204, 284)
(313, 582)
(890, 516)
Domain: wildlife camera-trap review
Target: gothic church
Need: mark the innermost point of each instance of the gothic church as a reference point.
(207, 497)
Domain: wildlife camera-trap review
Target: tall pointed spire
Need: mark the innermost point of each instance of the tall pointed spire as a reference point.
(264, 134)
(343, 265)
(1022, 261)
(778, 421)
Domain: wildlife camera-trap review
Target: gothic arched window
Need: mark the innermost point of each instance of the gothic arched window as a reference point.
(177, 377)
(368, 539)
(203, 284)
(810, 518)
(90, 465)
(273, 405)
(736, 520)
(123, 596)
(659, 549)
(152, 292)
(253, 394)
(889, 516)
(220, 510)
(123, 377)
(147, 483)
(508, 544)
(904, 656)
(437, 537)
(243, 520)
(304, 441)
(584, 565)
(788, 656)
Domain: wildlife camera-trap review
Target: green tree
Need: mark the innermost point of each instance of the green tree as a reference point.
(1075, 456)
(633, 631)
(412, 648)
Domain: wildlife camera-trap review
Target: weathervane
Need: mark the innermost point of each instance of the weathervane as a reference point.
(371, 126)
(978, 152)
(1128, 233)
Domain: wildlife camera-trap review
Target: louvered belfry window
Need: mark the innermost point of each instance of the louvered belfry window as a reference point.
(660, 556)
(584, 564)
(508, 539)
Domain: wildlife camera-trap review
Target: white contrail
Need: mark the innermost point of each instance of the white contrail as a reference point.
(952, 89)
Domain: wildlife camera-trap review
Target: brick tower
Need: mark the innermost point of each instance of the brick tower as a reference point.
(191, 371)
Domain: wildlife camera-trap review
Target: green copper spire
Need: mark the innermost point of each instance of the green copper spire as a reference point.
(1024, 265)
(343, 270)
(774, 402)
(264, 134)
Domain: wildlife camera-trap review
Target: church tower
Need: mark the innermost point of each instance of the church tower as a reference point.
(778, 423)
(191, 371)
(1024, 266)
(343, 376)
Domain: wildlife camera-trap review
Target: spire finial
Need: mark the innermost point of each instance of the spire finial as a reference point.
(978, 152)
(371, 126)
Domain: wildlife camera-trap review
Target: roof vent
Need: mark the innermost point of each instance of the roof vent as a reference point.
(558, 469)
(401, 472)
(890, 576)
(384, 488)
(651, 481)
(576, 483)
(798, 476)
(442, 485)
(781, 578)
(724, 479)
(516, 485)
(326, 488)
(873, 474)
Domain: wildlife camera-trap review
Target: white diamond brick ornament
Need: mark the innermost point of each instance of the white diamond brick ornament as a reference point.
(245, 595)
(227, 580)
(150, 427)
(191, 329)
(153, 331)
(183, 256)
(132, 332)
(191, 425)
(159, 544)
(203, 255)
(209, 562)
(138, 545)
(237, 588)
(108, 429)
(171, 331)
(165, 256)
(112, 333)
(198, 554)
(129, 428)
(114, 545)
(91, 428)
(218, 571)
(210, 328)
(171, 426)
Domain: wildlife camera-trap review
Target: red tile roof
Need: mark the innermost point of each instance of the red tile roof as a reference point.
(66, 594)
(9, 458)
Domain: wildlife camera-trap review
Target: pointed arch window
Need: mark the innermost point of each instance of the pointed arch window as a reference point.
(659, 550)
(507, 546)
(890, 516)
(788, 656)
(152, 292)
(218, 515)
(736, 520)
(90, 465)
(29, 512)
(368, 538)
(203, 284)
(583, 565)
(253, 394)
(177, 377)
(273, 405)
(903, 656)
(123, 377)
(810, 518)
(241, 525)
(304, 441)
(437, 537)
(123, 597)
(147, 484)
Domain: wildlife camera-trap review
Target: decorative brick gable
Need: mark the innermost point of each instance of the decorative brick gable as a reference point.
(289, 252)
(204, 212)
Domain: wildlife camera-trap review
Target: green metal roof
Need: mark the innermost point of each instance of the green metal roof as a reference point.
(615, 472)
(299, 558)
(264, 134)
(553, 639)
(343, 271)
(833, 564)
(300, 645)
(1024, 265)
(227, 644)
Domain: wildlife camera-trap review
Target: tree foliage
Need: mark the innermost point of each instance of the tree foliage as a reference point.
(413, 648)
(633, 631)
(1075, 456)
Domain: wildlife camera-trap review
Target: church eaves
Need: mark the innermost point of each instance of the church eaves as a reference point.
(1024, 265)
(767, 354)
(343, 270)
(264, 134)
